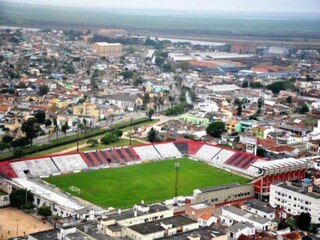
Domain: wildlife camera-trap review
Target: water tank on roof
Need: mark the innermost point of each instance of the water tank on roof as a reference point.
(307, 180)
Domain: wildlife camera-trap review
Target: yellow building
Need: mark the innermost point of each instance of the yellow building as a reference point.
(108, 49)
(86, 109)
(231, 125)
(12, 124)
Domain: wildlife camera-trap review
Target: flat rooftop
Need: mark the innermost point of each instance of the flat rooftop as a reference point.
(205, 233)
(125, 214)
(299, 189)
(218, 188)
(153, 227)
(246, 215)
(50, 195)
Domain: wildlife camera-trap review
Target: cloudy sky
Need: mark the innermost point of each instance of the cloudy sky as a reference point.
(218, 5)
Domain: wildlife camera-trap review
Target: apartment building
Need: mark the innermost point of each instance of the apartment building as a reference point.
(296, 197)
(108, 49)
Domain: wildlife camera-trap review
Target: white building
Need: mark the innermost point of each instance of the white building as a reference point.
(259, 208)
(295, 198)
(238, 229)
(59, 203)
(238, 215)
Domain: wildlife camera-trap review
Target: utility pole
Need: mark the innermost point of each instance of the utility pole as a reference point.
(177, 166)
(131, 119)
(78, 136)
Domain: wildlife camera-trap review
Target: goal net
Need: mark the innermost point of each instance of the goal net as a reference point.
(74, 189)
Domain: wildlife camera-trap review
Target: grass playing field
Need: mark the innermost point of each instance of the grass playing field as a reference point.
(154, 181)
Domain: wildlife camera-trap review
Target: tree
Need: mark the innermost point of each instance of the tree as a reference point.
(304, 109)
(167, 67)
(127, 74)
(19, 153)
(20, 198)
(40, 116)
(118, 132)
(44, 211)
(239, 109)
(30, 128)
(3, 146)
(55, 123)
(20, 142)
(48, 122)
(184, 65)
(43, 90)
(92, 142)
(150, 113)
(152, 135)
(7, 139)
(215, 129)
(64, 128)
(304, 221)
(146, 99)
(109, 137)
(245, 84)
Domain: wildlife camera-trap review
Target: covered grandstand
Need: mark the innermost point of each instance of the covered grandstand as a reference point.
(241, 162)
(264, 172)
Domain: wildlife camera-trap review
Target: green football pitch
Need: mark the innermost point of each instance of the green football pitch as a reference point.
(122, 187)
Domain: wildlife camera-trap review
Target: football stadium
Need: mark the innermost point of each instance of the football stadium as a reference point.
(122, 177)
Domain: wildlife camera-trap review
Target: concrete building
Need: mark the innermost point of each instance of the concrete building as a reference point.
(4, 199)
(296, 197)
(259, 208)
(108, 49)
(238, 215)
(60, 204)
(204, 233)
(86, 109)
(222, 194)
(127, 102)
(161, 228)
(114, 224)
(238, 229)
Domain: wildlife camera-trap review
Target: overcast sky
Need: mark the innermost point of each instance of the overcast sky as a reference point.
(218, 5)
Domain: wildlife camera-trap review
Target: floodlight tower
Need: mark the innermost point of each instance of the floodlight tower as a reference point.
(177, 166)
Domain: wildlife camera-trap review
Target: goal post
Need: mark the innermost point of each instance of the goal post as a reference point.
(74, 189)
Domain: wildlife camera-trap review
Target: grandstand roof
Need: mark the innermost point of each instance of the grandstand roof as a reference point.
(281, 165)
(48, 194)
(217, 188)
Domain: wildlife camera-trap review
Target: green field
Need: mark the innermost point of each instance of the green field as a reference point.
(154, 181)
(22, 13)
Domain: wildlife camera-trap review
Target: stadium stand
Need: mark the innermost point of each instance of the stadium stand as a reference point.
(7, 170)
(134, 156)
(69, 163)
(125, 154)
(182, 147)
(241, 160)
(19, 167)
(122, 156)
(41, 167)
(107, 157)
(113, 156)
(97, 156)
(88, 159)
(207, 152)
(193, 147)
(220, 158)
(116, 154)
(167, 150)
(147, 152)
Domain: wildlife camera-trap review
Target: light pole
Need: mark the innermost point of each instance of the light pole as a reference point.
(130, 137)
(177, 166)
(78, 137)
